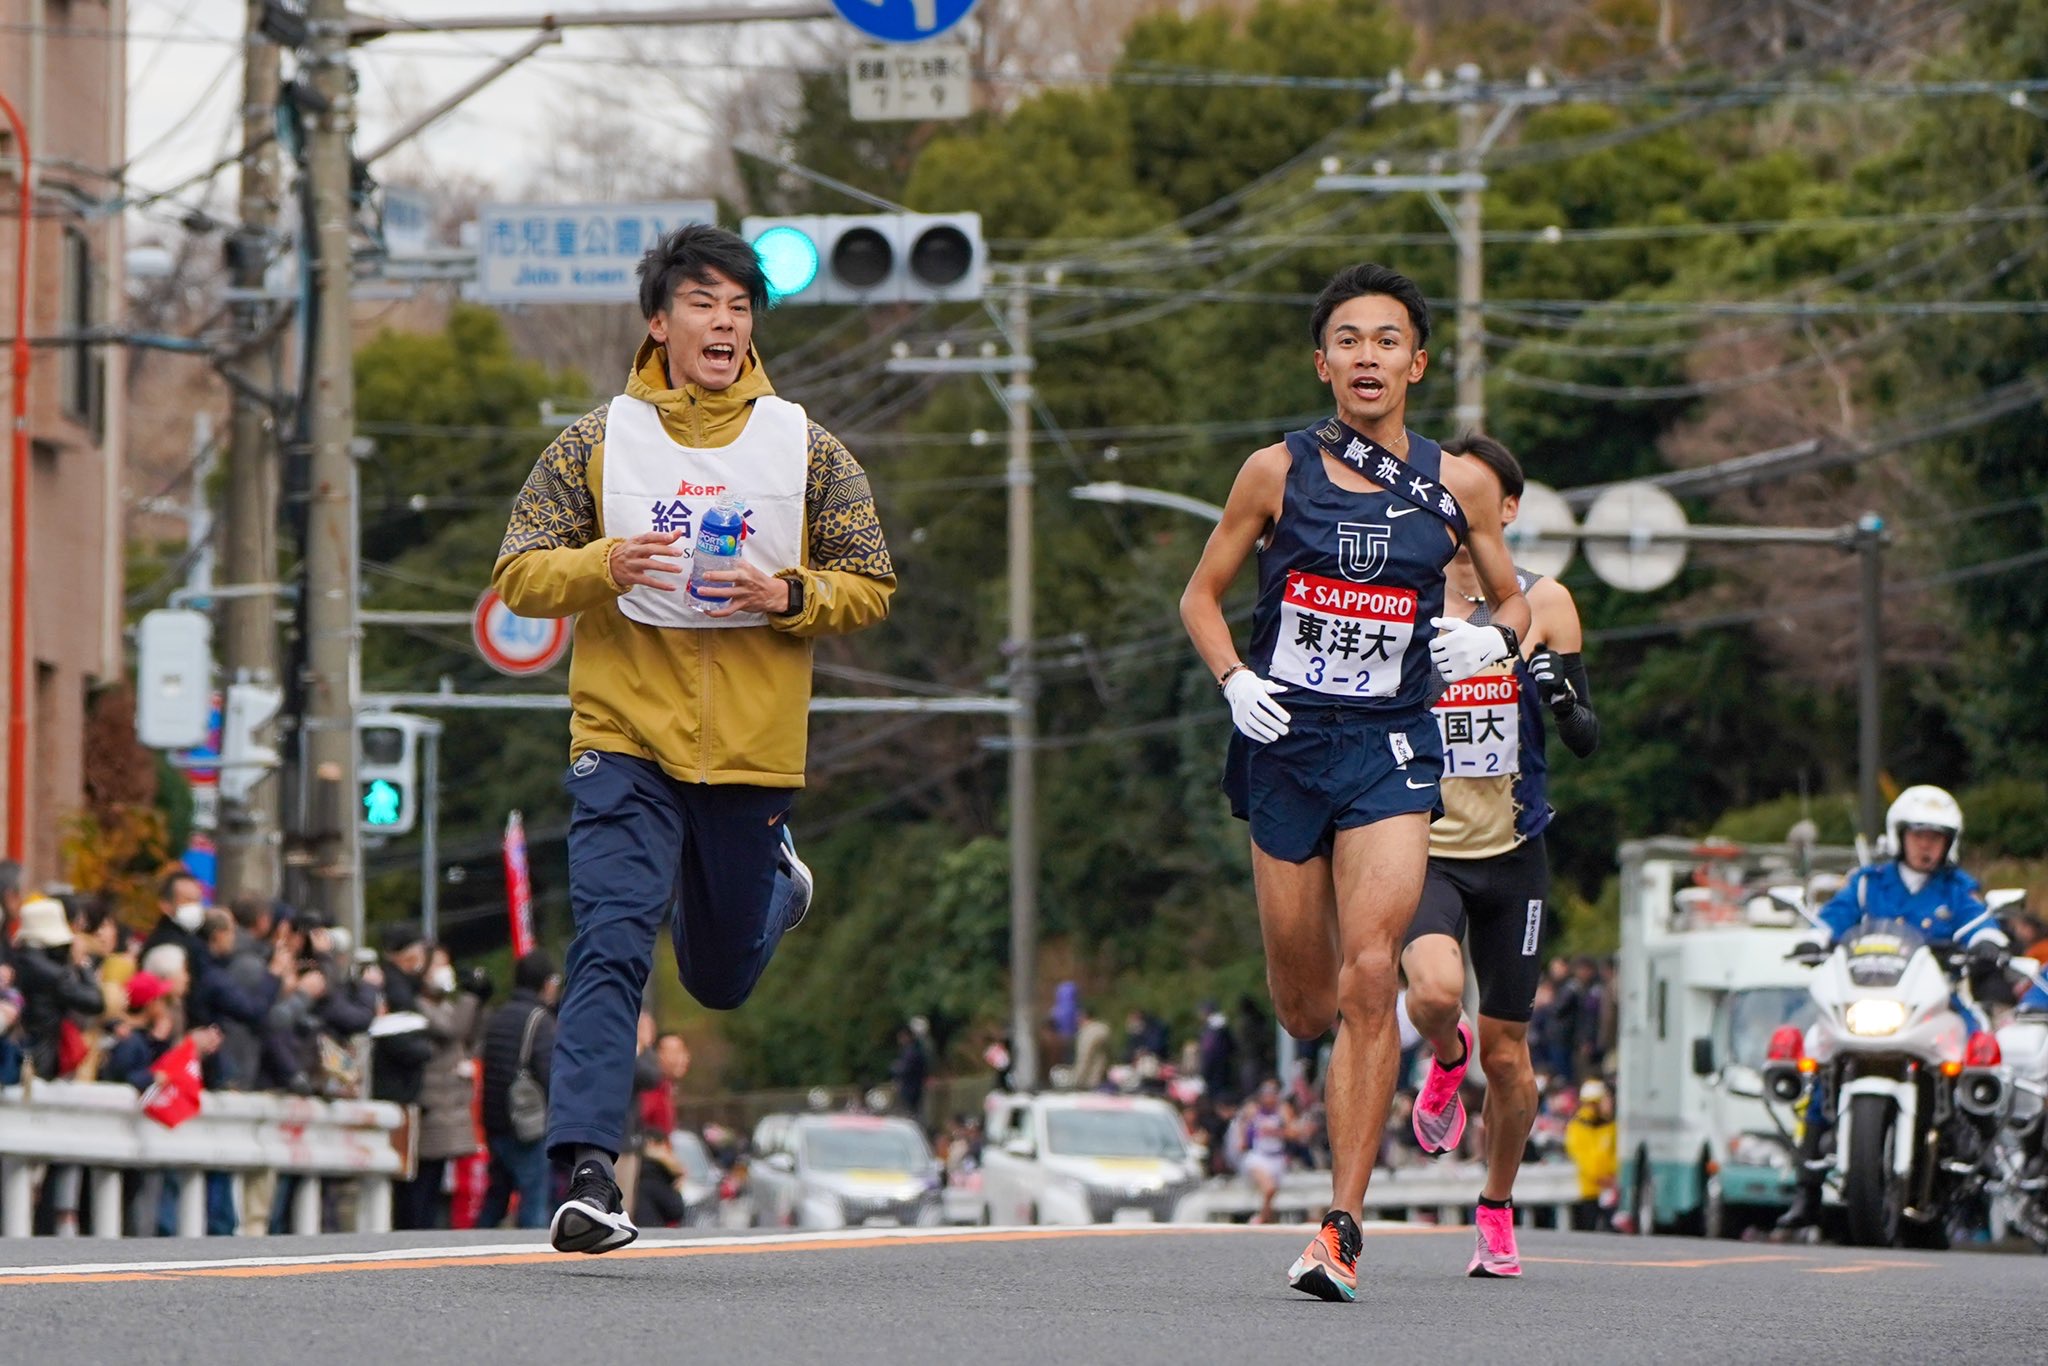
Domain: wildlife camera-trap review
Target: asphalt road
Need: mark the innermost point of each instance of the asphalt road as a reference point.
(986, 1297)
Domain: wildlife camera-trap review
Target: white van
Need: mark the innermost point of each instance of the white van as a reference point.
(1704, 982)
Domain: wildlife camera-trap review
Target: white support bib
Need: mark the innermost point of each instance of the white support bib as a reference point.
(651, 483)
(1481, 722)
(1343, 639)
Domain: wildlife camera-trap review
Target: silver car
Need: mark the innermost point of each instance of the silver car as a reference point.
(843, 1171)
(1067, 1158)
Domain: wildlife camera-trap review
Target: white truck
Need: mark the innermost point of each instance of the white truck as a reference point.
(1704, 982)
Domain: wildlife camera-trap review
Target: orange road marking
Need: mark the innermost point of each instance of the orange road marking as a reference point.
(324, 1264)
(1676, 1264)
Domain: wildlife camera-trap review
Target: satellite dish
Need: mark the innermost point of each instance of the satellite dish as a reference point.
(1541, 536)
(1636, 563)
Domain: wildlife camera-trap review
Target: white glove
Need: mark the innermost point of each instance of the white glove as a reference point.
(1461, 649)
(1252, 708)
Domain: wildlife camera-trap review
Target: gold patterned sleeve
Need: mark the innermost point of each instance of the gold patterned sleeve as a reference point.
(552, 563)
(848, 577)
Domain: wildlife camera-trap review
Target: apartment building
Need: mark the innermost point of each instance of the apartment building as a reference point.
(63, 68)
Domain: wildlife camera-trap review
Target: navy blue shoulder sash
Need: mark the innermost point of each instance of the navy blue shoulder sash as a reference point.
(1340, 442)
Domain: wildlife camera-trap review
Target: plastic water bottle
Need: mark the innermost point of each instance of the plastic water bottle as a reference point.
(718, 547)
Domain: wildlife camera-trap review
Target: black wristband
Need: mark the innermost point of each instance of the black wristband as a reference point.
(1513, 640)
(796, 598)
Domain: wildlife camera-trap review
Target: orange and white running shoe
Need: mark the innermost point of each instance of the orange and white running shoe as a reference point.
(1329, 1268)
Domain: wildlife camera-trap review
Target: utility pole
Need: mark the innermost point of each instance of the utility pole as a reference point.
(332, 548)
(1476, 137)
(1869, 546)
(247, 838)
(1470, 413)
(1017, 396)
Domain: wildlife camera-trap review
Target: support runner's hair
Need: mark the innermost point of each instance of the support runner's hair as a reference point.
(694, 253)
(1494, 456)
(1355, 282)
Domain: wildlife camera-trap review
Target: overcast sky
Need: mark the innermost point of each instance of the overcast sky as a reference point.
(185, 83)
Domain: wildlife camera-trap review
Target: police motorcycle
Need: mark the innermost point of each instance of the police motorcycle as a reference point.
(2007, 1084)
(1906, 1162)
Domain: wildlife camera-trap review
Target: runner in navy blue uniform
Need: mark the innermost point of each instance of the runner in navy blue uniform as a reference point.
(1336, 761)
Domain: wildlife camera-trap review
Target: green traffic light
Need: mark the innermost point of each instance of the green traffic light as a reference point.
(789, 258)
(381, 803)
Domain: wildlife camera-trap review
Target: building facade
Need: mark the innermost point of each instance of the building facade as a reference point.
(63, 67)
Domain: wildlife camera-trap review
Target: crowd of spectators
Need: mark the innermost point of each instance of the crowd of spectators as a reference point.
(274, 999)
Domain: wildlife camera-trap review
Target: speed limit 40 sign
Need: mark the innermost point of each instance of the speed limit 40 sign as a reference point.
(517, 645)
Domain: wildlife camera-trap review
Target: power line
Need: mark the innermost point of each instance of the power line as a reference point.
(1823, 603)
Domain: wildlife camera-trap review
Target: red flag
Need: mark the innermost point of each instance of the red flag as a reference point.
(175, 1096)
(518, 887)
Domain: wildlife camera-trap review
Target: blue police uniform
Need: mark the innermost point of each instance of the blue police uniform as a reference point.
(1348, 583)
(1948, 909)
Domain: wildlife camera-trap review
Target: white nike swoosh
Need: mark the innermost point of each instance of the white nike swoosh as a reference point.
(1419, 786)
(1393, 512)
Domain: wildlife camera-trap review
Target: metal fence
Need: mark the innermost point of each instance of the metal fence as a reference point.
(100, 1128)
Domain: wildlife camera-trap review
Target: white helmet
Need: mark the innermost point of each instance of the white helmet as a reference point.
(1923, 807)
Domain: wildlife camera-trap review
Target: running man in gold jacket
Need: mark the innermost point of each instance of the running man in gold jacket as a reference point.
(690, 708)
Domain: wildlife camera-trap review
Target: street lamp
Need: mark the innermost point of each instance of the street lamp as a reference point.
(1114, 492)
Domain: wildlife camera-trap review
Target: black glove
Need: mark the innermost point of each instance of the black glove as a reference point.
(1556, 689)
(1988, 953)
(478, 983)
(1807, 952)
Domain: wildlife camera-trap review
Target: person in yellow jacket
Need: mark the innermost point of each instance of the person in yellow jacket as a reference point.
(1589, 1141)
(689, 700)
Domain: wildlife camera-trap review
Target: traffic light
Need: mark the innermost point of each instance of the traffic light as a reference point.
(387, 772)
(884, 258)
(244, 760)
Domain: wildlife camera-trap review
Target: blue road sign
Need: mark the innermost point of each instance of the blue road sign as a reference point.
(903, 21)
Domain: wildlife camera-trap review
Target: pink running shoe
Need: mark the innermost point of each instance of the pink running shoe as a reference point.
(1494, 1256)
(1440, 1111)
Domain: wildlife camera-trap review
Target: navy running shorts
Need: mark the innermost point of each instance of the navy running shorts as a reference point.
(1500, 901)
(1335, 769)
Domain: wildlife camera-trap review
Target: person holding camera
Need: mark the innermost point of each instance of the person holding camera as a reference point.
(452, 1005)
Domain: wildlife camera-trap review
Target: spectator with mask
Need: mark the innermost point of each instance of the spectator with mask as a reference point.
(400, 1049)
(181, 915)
(519, 1038)
(448, 1090)
(53, 974)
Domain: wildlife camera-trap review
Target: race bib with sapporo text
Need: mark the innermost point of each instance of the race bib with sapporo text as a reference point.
(1343, 639)
(1481, 723)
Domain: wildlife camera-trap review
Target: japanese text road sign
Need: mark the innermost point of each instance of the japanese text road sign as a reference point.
(573, 253)
(910, 83)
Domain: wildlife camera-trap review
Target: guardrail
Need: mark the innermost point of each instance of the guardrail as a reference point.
(1448, 1190)
(100, 1126)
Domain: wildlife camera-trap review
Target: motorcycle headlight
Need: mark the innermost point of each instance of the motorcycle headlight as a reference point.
(1874, 1019)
